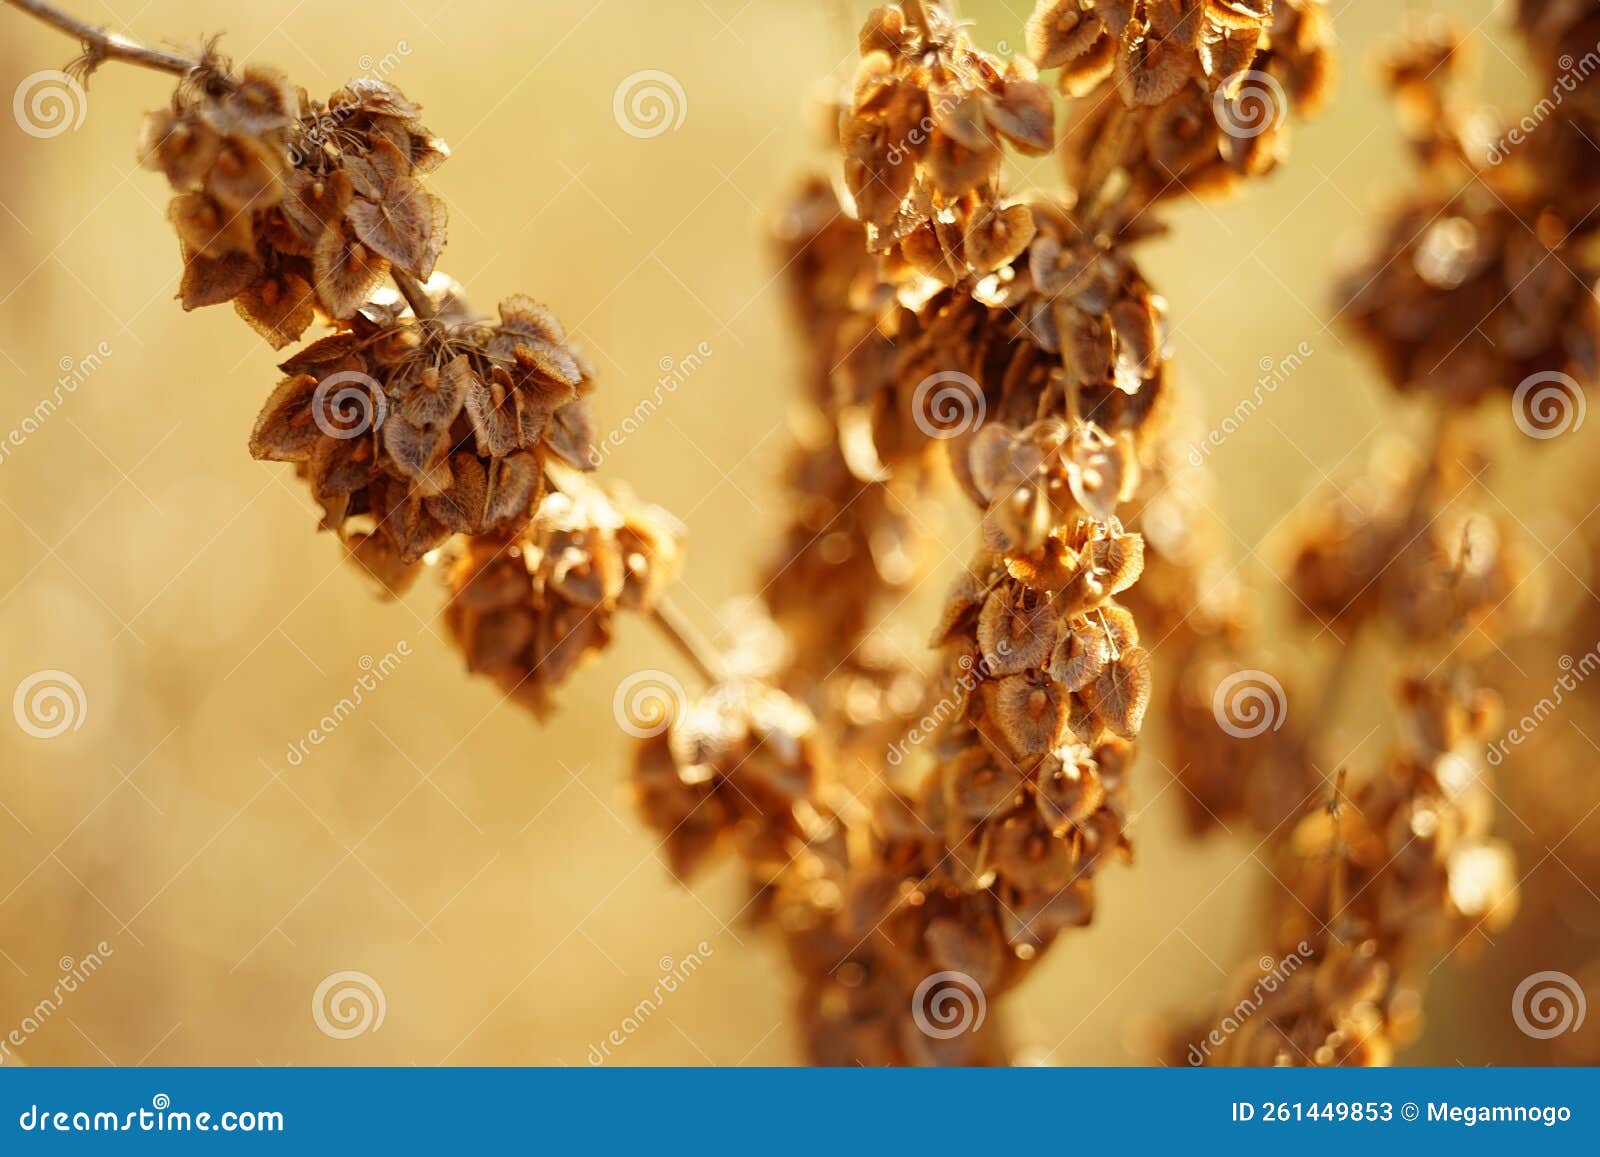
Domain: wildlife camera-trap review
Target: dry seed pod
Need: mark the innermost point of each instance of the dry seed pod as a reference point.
(278, 196)
(1202, 90)
(1381, 883)
(528, 609)
(409, 432)
(736, 764)
(922, 140)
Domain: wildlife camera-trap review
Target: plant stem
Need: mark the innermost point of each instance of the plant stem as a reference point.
(690, 643)
(102, 45)
(416, 296)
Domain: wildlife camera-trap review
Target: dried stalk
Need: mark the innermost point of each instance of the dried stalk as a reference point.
(101, 45)
(1376, 890)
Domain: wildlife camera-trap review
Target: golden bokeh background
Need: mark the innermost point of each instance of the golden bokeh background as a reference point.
(485, 871)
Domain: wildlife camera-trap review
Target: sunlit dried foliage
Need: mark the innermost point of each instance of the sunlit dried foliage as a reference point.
(529, 609)
(852, 522)
(955, 332)
(922, 141)
(1481, 284)
(415, 422)
(1376, 885)
(1030, 359)
(284, 203)
(1202, 91)
(1484, 275)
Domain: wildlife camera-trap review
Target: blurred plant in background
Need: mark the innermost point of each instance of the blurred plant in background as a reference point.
(918, 832)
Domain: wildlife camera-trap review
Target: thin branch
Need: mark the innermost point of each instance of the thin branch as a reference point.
(100, 45)
(416, 296)
(690, 643)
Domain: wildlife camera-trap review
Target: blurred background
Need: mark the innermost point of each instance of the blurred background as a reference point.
(482, 872)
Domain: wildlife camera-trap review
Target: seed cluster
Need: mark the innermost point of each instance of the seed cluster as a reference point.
(738, 765)
(1375, 883)
(1481, 282)
(922, 141)
(1030, 359)
(285, 205)
(529, 610)
(1015, 345)
(1483, 277)
(1403, 546)
(424, 430)
(415, 423)
(1201, 90)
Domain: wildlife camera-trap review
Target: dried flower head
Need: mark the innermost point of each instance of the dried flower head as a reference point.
(738, 765)
(1471, 294)
(528, 609)
(1203, 89)
(1401, 546)
(1379, 884)
(411, 431)
(288, 207)
(922, 139)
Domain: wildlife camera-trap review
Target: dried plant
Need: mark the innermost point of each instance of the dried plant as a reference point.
(951, 330)
(1478, 285)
